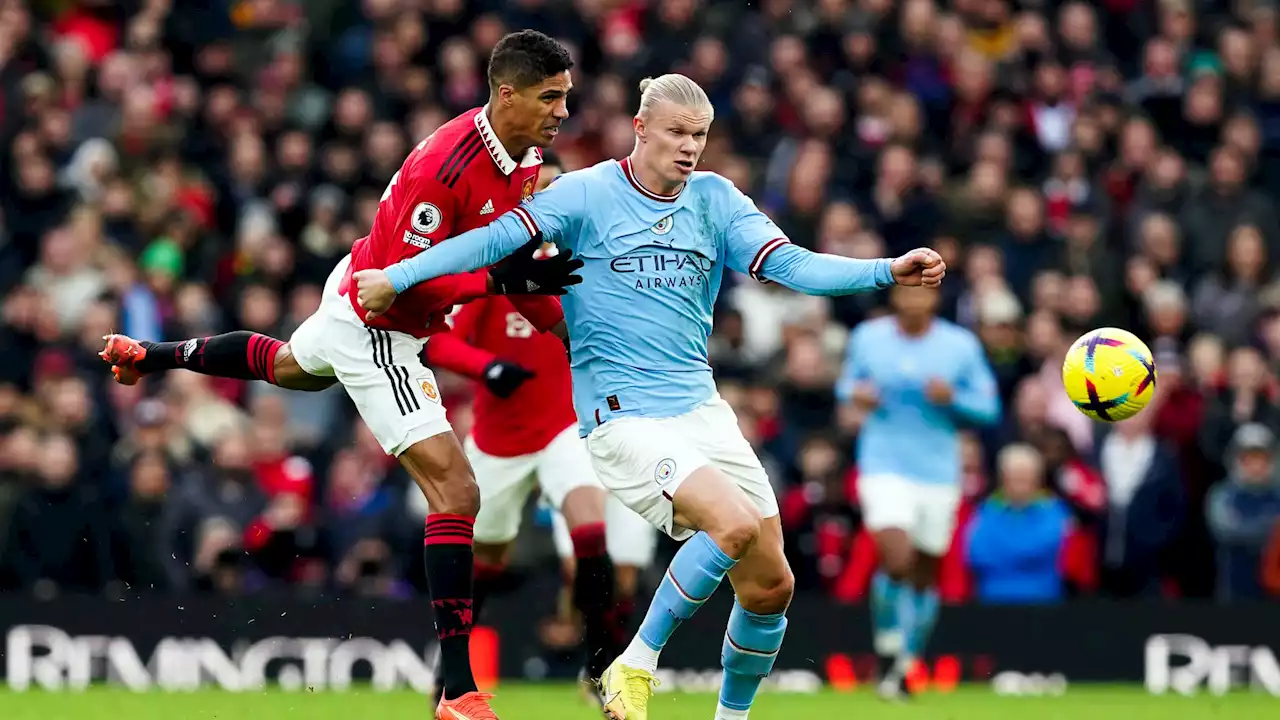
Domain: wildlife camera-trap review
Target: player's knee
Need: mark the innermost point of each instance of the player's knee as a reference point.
(737, 530)
(897, 556)
(288, 374)
(583, 505)
(460, 495)
(769, 594)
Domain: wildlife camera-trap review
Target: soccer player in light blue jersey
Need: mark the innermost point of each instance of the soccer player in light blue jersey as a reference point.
(656, 237)
(916, 382)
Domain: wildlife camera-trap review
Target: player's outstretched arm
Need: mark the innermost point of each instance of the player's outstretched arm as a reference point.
(757, 246)
(553, 213)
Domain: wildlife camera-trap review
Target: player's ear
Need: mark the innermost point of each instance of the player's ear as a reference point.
(638, 123)
(506, 94)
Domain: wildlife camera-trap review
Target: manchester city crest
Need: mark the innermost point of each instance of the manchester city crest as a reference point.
(663, 226)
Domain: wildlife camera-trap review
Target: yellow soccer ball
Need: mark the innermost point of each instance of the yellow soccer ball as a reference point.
(1109, 374)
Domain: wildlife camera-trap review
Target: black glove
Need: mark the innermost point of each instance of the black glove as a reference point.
(504, 378)
(521, 274)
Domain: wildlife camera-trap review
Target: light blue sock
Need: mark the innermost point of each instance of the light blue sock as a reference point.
(886, 615)
(751, 645)
(924, 615)
(693, 576)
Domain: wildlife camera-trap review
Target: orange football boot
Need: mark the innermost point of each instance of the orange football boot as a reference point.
(121, 353)
(471, 706)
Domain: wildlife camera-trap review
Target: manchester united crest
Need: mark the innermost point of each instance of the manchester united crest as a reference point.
(429, 389)
(526, 192)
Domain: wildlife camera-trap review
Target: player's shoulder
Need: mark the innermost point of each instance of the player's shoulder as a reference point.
(597, 177)
(869, 330)
(713, 185)
(447, 152)
(956, 333)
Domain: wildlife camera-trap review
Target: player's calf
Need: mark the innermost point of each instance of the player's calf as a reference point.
(763, 585)
(440, 468)
(242, 355)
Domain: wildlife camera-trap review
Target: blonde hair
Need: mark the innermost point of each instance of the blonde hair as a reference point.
(676, 89)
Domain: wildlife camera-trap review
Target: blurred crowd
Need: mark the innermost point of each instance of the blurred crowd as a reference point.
(177, 169)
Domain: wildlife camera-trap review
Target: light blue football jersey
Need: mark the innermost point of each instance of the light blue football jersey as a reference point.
(641, 317)
(908, 435)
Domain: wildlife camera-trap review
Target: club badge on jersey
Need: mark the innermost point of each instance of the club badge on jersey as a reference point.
(526, 191)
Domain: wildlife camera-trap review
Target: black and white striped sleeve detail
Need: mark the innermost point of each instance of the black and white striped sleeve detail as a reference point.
(757, 263)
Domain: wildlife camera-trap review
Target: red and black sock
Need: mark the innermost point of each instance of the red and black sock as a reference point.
(241, 354)
(447, 550)
(623, 611)
(485, 578)
(593, 595)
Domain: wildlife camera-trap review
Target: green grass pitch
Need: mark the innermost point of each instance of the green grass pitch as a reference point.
(559, 702)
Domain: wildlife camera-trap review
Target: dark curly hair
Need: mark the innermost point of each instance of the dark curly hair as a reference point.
(526, 58)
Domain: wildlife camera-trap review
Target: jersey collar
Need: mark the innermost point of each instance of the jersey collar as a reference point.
(501, 157)
(625, 164)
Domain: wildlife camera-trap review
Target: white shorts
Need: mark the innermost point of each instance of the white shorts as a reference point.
(644, 460)
(631, 539)
(926, 511)
(507, 482)
(381, 370)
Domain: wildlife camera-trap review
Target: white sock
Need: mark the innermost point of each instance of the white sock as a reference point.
(640, 656)
(724, 713)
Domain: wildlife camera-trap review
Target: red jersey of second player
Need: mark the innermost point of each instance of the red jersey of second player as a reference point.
(458, 179)
(541, 408)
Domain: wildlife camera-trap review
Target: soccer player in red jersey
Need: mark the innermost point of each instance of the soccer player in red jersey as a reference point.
(473, 169)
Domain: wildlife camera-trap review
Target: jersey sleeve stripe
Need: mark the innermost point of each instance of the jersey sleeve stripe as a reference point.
(762, 254)
(465, 147)
(463, 164)
(526, 219)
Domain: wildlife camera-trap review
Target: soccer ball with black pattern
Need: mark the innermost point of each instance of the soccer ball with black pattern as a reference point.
(1109, 374)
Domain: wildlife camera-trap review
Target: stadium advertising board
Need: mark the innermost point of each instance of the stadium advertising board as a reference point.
(162, 643)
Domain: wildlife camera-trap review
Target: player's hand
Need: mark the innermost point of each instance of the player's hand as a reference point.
(522, 274)
(374, 292)
(938, 391)
(866, 397)
(921, 267)
(504, 378)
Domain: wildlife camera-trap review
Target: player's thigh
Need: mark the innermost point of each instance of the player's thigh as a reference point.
(762, 579)
(396, 394)
(565, 465)
(715, 430)
(936, 506)
(308, 347)
(505, 485)
(888, 503)
(631, 539)
(643, 462)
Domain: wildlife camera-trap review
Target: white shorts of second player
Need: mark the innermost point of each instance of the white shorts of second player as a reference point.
(645, 460)
(507, 482)
(631, 539)
(926, 511)
(381, 370)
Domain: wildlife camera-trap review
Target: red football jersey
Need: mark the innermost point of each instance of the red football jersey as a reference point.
(538, 410)
(458, 179)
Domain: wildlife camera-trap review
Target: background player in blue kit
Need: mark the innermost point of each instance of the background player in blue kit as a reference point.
(915, 382)
(655, 237)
